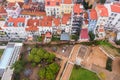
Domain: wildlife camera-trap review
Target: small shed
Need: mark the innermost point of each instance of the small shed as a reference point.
(65, 37)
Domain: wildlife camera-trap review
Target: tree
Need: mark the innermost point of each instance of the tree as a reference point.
(18, 66)
(54, 67)
(50, 58)
(75, 37)
(46, 55)
(40, 53)
(86, 5)
(102, 1)
(91, 35)
(34, 51)
(117, 42)
(30, 57)
(36, 59)
(41, 73)
(49, 74)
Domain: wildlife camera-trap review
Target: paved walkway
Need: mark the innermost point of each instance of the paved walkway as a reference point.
(2, 47)
(70, 63)
(66, 63)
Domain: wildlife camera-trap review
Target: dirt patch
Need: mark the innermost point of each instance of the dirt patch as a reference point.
(116, 65)
(96, 57)
(33, 76)
(59, 49)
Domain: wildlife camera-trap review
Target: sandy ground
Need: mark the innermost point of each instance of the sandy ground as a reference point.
(116, 65)
(96, 57)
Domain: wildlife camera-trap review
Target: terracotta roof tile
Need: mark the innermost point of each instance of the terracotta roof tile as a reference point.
(48, 35)
(46, 21)
(101, 30)
(33, 22)
(26, 6)
(115, 8)
(65, 18)
(93, 14)
(67, 1)
(15, 21)
(32, 28)
(56, 21)
(35, 13)
(52, 2)
(2, 10)
(11, 4)
(103, 10)
(77, 9)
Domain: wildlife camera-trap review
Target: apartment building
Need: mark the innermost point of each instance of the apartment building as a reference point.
(92, 19)
(113, 22)
(10, 55)
(103, 15)
(66, 7)
(15, 0)
(15, 28)
(13, 9)
(52, 7)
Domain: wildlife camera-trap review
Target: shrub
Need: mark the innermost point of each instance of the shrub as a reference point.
(109, 64)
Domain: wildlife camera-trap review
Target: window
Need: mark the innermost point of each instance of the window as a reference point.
(112, 14)
(48, 3)
(57, 3)
(119, 19)
(115, 14)
(112, 18)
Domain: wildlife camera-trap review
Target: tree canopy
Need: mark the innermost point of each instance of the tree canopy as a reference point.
(18, 66)
(37, 55)
(117, 42)
(49, 72)
(91, 35)
(86, 5)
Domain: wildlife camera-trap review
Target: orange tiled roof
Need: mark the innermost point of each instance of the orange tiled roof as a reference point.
(52, 2)
(65, 18)
(77, 9)
(15, 21)
(103, 10)
(26, 6)
(32, 28)
(33, 22)
(101, 30)
(115, 7)
(67, 1)
(56, 21)
(21, 4)
(93, 14)
(36, 13)
(85, 15)
(11, 4)
(48, 35)
(2, 10)
(46, 21)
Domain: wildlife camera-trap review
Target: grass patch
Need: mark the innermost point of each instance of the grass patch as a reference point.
(39, 39)
(1, 52)
(55, 38)
(96, 42)
(109, 64)
(83, 74)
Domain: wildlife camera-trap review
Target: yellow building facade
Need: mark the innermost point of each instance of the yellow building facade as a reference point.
(15, 0)
(66, 8)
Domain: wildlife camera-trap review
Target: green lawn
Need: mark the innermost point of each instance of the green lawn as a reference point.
(1, 52)
(83, 74)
